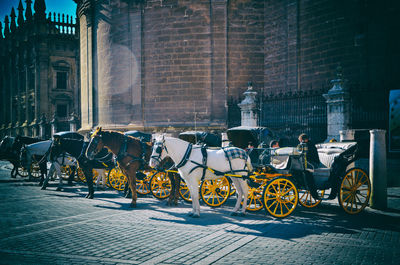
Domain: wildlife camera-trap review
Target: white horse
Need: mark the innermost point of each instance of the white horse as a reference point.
(55, 168)
(188, 166)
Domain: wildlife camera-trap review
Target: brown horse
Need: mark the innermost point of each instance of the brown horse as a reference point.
(131, 153)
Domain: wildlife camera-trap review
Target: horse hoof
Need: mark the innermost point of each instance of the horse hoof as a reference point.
(242, 214)
(58, 189)
(87, 196)
(43, 188)
(234, 214)
(90, 196)
(132, 205)
(195, 215)
(190, 214)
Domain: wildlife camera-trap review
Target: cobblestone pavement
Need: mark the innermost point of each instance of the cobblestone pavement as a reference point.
(50, 227)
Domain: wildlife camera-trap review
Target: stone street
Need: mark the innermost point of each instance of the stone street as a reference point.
(62, 227)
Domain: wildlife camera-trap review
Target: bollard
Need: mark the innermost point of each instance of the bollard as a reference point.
(377, 169)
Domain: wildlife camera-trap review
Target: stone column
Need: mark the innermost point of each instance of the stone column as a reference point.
(338, 107)
(42, 127)
(73, 120)
(248, 107)
(377, 169)
(54, 123)
(346, 135)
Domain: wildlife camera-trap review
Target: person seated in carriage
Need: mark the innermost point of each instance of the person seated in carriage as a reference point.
(274, 144)
(312, 153)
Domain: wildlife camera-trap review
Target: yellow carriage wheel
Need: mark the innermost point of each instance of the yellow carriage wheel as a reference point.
(22, 171)
(254, 198)
(35, 170)
(280, 197)
(117, 179)
(65, 171)
(143, 185)
(215, 192)
(308, 201)
(81, 175)
(254, 201)
(184, 192)
(95, 175)
(160, 185)
(355, 190)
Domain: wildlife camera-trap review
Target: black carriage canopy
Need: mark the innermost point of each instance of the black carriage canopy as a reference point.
(194, 137)
(68, 134)
(242, 135)
(146, 137)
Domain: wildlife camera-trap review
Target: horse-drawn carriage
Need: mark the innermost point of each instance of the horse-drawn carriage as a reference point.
(282, 177)
(278, 178)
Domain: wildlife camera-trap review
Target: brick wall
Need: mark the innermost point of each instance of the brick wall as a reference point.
(245, 45)
(177, 54)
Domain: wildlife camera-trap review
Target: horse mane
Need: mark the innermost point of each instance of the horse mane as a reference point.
(119, 135)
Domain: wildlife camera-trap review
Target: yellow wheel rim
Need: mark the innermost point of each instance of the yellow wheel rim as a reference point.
(143, 185)
(35, 170)
(184, 192)
(81, 175)
(117, 179)
(65, 172)
(254, 198)
(22, 172)
(355, 190)
(306, 200)
(160, 185)
(95, 175)
(280, 197)
(215, 192)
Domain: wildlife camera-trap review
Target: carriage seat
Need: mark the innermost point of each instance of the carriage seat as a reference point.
(328, 151)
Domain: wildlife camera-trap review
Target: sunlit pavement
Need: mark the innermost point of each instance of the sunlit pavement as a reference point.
(50, 227)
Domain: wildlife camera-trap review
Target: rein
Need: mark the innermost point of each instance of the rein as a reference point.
(124, 153)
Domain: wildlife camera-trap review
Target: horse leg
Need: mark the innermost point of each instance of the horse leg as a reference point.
(71, 176)
(14, 171)
(172, 194)
(46, 180)
(43, 171)
(240, 195)
(89, 180)
(177, 187)
(58, 172)
(194, 193)
(133, 188)
(245, 191)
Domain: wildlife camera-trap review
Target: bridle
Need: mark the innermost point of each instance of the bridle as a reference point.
(158, 148)
(95, 142)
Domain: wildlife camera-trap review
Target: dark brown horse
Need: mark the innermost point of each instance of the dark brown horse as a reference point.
(131, 153)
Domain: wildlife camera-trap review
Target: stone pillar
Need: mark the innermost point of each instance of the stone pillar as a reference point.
(248, 107)
(54, 123)
(42, 127)
(73, 120)
(338, 107)
(377, 169)
(347, 135)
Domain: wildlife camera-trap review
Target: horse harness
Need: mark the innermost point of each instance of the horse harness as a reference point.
(203, 165)
(124, 153)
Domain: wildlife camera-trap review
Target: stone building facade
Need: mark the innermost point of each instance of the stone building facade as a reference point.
(39, 81)
(180, 64)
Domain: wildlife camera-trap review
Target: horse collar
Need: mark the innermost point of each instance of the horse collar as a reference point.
(185, 158)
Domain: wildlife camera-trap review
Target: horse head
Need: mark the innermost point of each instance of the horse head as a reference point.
(157, 154)
(96, 144)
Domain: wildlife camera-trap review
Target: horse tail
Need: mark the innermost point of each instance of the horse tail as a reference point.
(248, 164)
